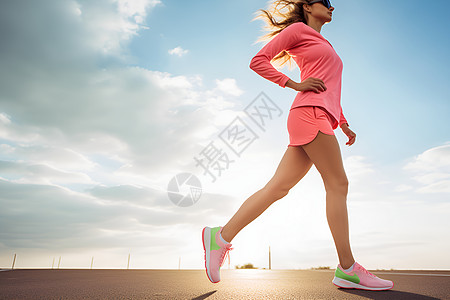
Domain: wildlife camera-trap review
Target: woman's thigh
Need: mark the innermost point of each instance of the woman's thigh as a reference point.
(325, 154)
(304, 122)
(293, 166)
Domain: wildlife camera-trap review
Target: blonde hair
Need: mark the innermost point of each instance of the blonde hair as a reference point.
(277, 17)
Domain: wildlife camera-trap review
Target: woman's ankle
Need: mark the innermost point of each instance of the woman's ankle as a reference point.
(225, 236)
(347, 265)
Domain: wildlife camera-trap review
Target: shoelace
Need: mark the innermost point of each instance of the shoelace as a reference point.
(365, 271)
(224, 253)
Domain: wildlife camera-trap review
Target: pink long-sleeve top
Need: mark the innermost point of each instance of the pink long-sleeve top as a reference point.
(315, 57)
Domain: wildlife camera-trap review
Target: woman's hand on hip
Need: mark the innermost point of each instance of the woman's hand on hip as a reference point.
(309, 84)
(349, 133)
(312, 84)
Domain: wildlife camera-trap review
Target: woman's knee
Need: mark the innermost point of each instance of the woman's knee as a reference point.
(337, 185)
(276, 191)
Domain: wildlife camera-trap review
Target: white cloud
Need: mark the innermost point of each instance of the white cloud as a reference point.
(132, 8)
(431, 160)
(442, 186)
(112, 23)
(357, 166)
(403, 188)
(229, 86)
(5, 119)
(6, 149)
(75, 8)
(178, 51)
(42, 174)
(431, 170)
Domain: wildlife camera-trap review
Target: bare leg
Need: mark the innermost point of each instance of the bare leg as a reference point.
(293, 166)
(325, 153)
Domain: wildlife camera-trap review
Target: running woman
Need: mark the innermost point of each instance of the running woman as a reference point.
(315, 112)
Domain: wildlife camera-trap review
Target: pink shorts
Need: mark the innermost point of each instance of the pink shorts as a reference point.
(304, 123)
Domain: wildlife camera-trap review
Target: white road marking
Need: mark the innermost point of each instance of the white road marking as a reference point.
(393, 273)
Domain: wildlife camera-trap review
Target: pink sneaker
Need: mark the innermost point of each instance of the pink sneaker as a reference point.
(360, 278)
(215, 252)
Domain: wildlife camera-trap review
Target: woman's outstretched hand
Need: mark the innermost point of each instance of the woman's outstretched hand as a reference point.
(348, 132)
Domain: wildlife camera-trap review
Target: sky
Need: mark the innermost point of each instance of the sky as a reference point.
(106, 105)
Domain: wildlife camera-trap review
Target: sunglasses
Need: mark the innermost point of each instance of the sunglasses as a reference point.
(324, 2)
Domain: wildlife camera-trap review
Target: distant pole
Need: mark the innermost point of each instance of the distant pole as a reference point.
(128, 265)
(179, 262)
(14, 261)
(53, 263)
(270, 261)
(92, 262)
(59, 261)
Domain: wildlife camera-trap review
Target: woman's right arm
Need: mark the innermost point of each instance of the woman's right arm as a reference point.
(293, 85)
(286, 39)
(260, 63)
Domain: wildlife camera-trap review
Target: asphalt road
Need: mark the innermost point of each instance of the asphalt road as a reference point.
(194, 284)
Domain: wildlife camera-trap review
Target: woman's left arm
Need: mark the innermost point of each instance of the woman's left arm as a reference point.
(348, 132)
